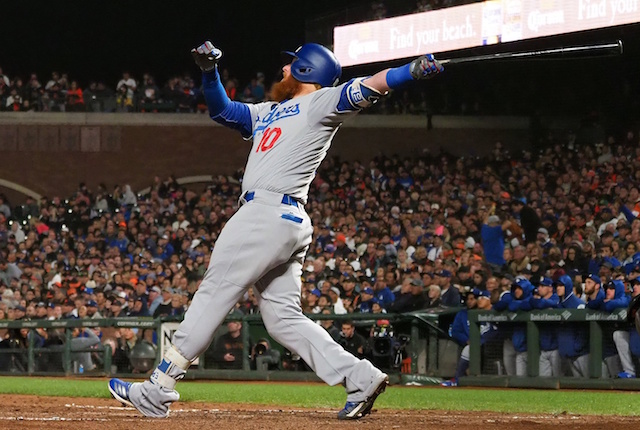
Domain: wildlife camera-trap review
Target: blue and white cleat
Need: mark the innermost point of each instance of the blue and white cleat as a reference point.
(357, 410)
(120, 391)
(626, 375)
(150, 399)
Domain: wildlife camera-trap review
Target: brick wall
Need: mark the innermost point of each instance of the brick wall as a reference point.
(52, 159)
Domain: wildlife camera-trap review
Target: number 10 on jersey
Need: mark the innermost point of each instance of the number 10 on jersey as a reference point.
(269, 138)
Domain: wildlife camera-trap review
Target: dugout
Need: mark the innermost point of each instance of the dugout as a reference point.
(602, 359)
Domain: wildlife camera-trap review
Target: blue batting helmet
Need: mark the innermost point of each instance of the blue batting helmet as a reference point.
(315, 64)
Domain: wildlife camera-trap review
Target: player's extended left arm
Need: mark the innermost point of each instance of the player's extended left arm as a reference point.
(363, 92)
(222, 109)
(423, 67)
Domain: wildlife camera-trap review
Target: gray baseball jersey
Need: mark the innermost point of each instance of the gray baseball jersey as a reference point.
(290, 140)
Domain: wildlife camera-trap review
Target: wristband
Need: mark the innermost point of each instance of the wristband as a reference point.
(399, 76)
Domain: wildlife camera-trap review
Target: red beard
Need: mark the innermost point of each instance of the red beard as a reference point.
(285, 89)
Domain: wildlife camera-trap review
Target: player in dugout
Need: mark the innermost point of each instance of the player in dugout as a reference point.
(265, 242)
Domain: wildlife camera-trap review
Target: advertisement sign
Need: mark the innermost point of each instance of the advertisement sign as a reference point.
(477, 24)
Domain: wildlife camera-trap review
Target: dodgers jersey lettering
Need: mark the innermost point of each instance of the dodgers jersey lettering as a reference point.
(290, 140)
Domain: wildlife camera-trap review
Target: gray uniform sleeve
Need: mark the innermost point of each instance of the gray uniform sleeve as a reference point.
(330, 106)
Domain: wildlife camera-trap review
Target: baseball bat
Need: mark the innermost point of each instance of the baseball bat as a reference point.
(612, 48)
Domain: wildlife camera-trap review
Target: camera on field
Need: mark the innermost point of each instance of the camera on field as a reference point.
(264, 357)
(260, 349)
(387, 348)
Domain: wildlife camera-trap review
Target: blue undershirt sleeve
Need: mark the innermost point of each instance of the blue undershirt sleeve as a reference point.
(223, 110)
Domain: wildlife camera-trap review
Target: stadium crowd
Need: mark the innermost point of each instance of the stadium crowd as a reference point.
(178, 94)
(391, 235)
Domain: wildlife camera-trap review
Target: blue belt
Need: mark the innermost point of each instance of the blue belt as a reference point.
(286, 199)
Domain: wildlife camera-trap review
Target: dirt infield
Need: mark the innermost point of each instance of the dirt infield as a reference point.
(34, 412)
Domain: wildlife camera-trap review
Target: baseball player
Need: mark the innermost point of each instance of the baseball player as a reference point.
(265, 242)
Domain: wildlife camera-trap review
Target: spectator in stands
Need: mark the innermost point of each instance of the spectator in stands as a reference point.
(329, 325)
(324, 302)
(171, 92)
(450, 295)
(365, 302)
(231, 88)
(33, 92)
(493, 241)
(228, 349)
(529, 220)
(4, 79)
(125, 339)
(310, 302)
(402, 294)
(164, 308)
(520, 261)
(74, 98)
(150, 93)
(137, 307)
(155, 299)
(187, 101)
(55, 98)
(55, 79)
(382, 292)
(117, 308)
(433, 294)
(128, 197)
(103, 95)
(336, 301)
(8, 271)
(177, 306)
(92, 310)
(574, 259)
(413, 300)
(14, 102)
(129, 84)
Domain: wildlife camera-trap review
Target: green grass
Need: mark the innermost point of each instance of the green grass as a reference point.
(322, 396)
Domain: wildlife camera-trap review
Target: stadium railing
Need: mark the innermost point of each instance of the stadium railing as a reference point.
(412, 347)
(409, 344)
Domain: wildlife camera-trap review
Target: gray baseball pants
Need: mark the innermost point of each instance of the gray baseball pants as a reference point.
(264, 244)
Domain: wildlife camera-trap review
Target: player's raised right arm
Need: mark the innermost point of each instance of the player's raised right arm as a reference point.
(222, 110)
